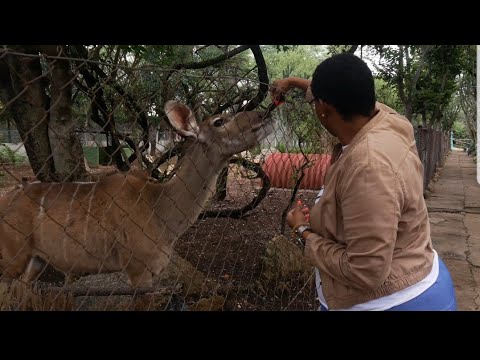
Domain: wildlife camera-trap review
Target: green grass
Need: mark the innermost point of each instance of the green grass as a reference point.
(10, 157)
(92, 156)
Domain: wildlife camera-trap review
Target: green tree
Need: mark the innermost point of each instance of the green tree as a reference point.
(425, 76)
(387, 94)
(299, 126)
(42, 111)
(118, 84)
(400, 66)
(468, 92)
(298, 61)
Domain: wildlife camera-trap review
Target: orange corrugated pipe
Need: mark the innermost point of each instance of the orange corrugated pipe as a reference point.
(281, 168)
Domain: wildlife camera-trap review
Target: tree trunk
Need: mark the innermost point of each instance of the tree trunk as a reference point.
(9, 128)
(21, 82)
(221, 193)
(101, 115)
(409, 111)
(437, 113)
(67, 151)
(468, 104)
(406, 90)
(152, 138)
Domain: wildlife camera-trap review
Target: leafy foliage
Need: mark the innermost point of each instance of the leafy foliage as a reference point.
(10, 157)
(298, 121)
(424, 76)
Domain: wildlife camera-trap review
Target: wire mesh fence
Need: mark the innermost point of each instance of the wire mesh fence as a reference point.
(141, 187)
(432, 147)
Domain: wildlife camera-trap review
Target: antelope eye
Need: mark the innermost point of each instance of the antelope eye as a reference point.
(218, 122)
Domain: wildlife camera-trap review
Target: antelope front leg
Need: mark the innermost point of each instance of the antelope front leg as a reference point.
(139, 276)
(141, 280)
(34, 269)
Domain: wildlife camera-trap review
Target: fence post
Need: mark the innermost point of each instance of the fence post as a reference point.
(426, 159)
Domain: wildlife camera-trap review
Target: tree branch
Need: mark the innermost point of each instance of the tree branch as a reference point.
(77, 291)
(401, 76)
(262, 78)
(130, 103)
(352, 49)
(438, 107)
(210, 62)
(136, 150)
(295, 188)
(232, 102)
(96, 94)
(176, 150)
(239, 213)
(421, 64)
(6, 89)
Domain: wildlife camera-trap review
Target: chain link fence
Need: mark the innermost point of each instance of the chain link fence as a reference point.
(432, 146)
(129, 201)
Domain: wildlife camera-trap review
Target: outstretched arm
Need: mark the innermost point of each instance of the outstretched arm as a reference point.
(280, 87)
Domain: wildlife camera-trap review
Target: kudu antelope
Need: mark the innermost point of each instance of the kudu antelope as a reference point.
(123, 222)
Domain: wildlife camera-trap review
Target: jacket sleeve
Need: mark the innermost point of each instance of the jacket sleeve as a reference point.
(371, 203)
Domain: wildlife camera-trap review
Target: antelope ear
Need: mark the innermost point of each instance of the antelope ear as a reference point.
(182, 119)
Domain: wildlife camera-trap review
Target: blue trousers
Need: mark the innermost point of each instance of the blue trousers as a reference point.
(438, 297)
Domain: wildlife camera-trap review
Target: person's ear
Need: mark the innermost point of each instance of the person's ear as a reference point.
(322, 105)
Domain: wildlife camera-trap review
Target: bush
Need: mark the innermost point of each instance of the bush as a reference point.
(306, 149)
(282, 148)
(256, 150)
(8, 156)
(19, 296)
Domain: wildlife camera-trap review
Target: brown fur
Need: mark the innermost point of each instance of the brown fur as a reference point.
(122, 222)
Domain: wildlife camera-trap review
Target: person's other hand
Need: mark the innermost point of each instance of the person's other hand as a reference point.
(300, 214)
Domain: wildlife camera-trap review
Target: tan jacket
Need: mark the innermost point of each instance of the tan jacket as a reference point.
(371, 228)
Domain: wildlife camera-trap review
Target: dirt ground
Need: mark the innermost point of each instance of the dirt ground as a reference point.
(230, 252)
(227, 251)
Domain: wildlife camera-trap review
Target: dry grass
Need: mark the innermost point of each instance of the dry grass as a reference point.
(18, 296)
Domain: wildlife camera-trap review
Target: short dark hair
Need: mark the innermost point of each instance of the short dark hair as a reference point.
(345, 82)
